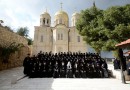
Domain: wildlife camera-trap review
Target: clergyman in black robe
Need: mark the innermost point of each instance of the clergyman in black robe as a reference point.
(128, 67)
(26, 65)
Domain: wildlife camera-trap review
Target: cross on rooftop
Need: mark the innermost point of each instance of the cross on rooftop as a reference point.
(61, 5)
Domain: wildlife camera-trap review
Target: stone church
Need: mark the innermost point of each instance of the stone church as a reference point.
(59, 38)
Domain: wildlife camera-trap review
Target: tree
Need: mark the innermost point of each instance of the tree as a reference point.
(23, 31)
(116, 25)
(30, 41)
(1, 21)
(117, 21)
(89, 26)
(102, 30)
(7, 50)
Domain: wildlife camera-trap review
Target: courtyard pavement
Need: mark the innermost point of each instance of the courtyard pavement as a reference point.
(6, 77)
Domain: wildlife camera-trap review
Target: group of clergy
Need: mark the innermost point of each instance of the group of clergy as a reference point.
(65, 65)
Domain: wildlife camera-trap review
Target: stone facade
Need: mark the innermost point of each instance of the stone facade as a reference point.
(6, 38)
(61, 37)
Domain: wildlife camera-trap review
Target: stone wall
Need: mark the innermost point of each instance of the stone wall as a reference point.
(7, 37)
(16, 59)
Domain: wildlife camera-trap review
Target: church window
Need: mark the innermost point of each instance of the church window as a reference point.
(58, 36)
(78, 38)
(47, 21)
(61, 36)
(41, 38)
(60, 20)
(44, 20)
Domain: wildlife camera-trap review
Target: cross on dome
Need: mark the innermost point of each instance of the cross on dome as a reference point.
(46, 9)
(61, 5)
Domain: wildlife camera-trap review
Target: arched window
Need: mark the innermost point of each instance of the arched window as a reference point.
(78, 38)
(60, 21)
(44, 20)
(58, 36)
(47, 21)
(61, 36)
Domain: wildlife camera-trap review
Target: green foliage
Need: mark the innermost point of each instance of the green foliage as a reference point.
(6, 51)
(115, 54)
(1, 21)
(30, 41)
(103, 29)
(89, 26)
(23, 31)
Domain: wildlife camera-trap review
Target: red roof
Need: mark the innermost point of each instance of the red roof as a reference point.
(124, 43)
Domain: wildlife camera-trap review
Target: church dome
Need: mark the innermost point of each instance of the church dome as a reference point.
(61, 17)
(45, 14)
(75, 14)
(74, 19)
(45, 19)
(63, 13)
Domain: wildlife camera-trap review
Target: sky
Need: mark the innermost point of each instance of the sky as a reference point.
(26, 13)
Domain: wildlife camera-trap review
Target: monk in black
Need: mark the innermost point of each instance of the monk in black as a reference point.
(26, 65)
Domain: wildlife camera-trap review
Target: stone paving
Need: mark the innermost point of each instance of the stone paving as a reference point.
(57, 84)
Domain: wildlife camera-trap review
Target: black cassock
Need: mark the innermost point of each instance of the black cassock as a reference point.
(26, 65)
(77, 74)
(32, 69)
(63, 72)
(56, 72)
(50, 70)
(83, 74)
(43, 69)
(128, 68)
(116, 64)
(69, 73)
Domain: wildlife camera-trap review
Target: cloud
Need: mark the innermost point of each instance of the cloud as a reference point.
(21, 13)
